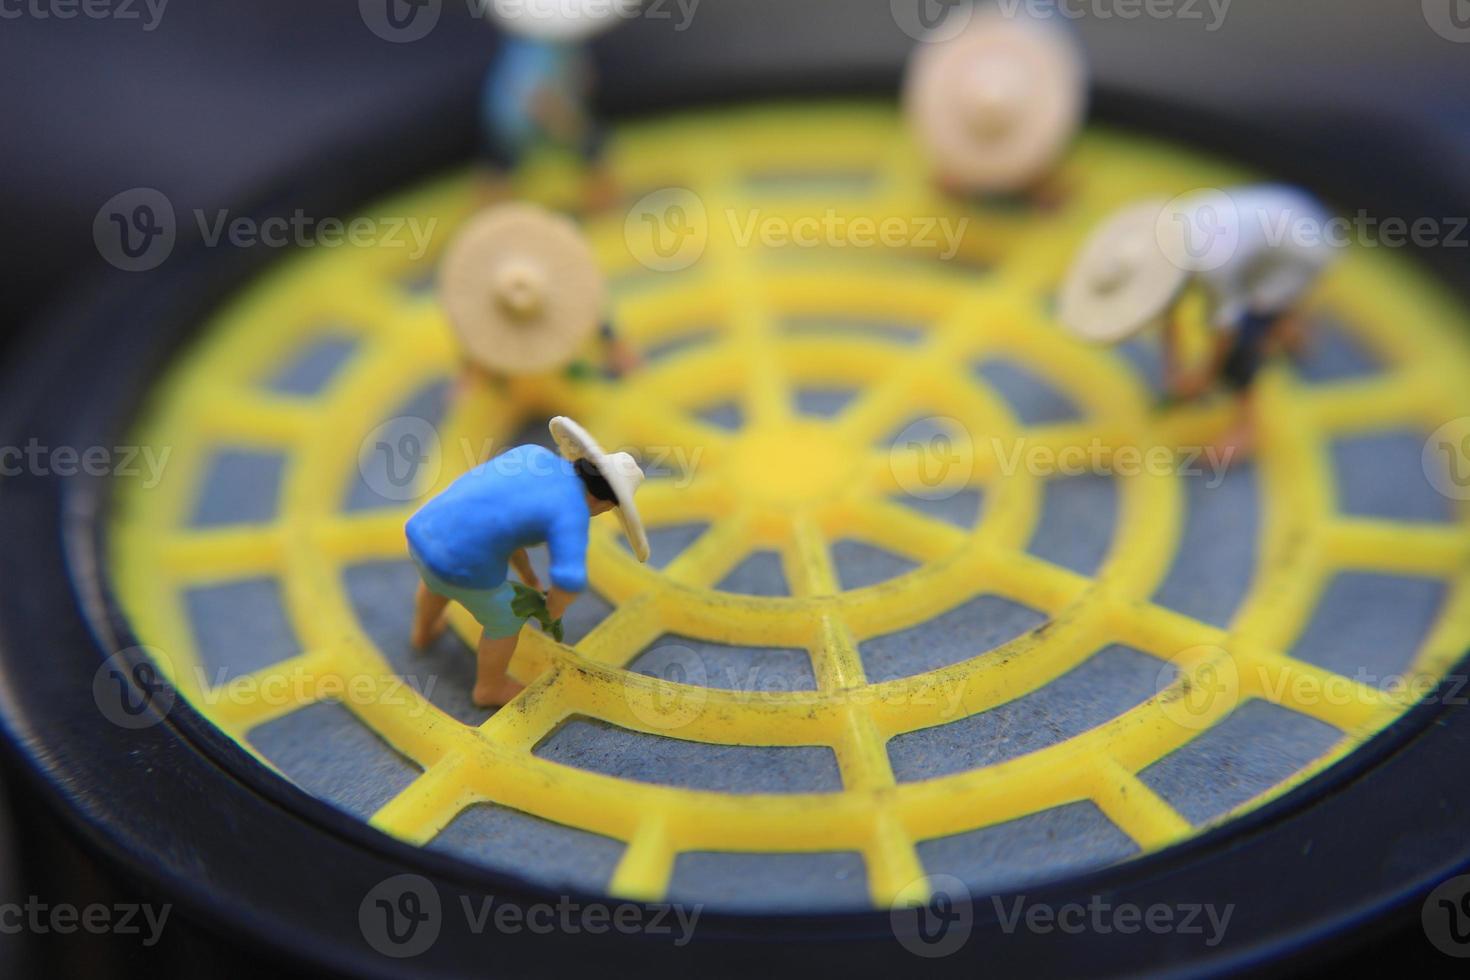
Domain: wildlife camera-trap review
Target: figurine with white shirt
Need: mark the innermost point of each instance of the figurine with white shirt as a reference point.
(1254, 251)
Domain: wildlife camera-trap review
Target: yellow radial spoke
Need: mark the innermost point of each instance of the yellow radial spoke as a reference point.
(711, 557)
(365, 536)
(1137, 810)
(643, 872)
(428, 804)
(243, 418)
(807, 559)
(835, 659)
(240, 704)
(902, 530)
(202, 555)
(625, 633)
(1408, 549)
(894, 869)
(671, 435)
(1402, 396)
(930, 470)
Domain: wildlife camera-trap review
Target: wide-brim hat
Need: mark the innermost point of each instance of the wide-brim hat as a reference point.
(620, 470)
(1123, 279)
(997, 105)
(522, 289)
(567, 21)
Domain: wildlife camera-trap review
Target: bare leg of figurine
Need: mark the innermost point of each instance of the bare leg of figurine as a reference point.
(600, 191)
(493, 686)
(428, 617)
(1050, 193)
(1241, 439)
(493, 187)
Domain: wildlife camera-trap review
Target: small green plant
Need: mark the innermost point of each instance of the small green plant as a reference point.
(531, 604)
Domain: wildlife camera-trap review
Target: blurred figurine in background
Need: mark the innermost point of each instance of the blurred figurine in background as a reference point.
(995, 99)
(1254, 251)
(538, 92)
(523, 292)
(465, 541)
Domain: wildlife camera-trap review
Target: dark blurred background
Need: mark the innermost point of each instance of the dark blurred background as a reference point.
(217, 104)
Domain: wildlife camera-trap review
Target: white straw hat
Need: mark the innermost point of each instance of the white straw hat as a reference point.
(620, 470)
(567, 21)
(997, 105)
(522, 289)
(1123, 278)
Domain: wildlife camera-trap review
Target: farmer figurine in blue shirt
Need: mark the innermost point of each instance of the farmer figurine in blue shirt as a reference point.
(538, 90)
(465, 540)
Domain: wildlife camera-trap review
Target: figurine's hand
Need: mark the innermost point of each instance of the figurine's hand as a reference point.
(558, 601)
(1188, 386)
(622, 359)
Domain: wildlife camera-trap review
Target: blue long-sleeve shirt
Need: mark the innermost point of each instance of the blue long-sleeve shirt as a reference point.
(520, 498)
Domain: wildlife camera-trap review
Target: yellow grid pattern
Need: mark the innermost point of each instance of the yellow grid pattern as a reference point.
(214, 398)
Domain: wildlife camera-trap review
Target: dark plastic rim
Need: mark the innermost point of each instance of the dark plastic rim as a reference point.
(182, 808)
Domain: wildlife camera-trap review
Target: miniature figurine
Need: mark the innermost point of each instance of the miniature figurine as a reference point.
(538, 91)
(1254, 251)
(466, 540)
(997, 102)
(523, 292)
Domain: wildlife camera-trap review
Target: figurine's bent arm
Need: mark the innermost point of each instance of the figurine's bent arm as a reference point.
(566, 540)
(522, 564)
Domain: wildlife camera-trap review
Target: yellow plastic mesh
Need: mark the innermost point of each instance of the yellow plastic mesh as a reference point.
(794, 485)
